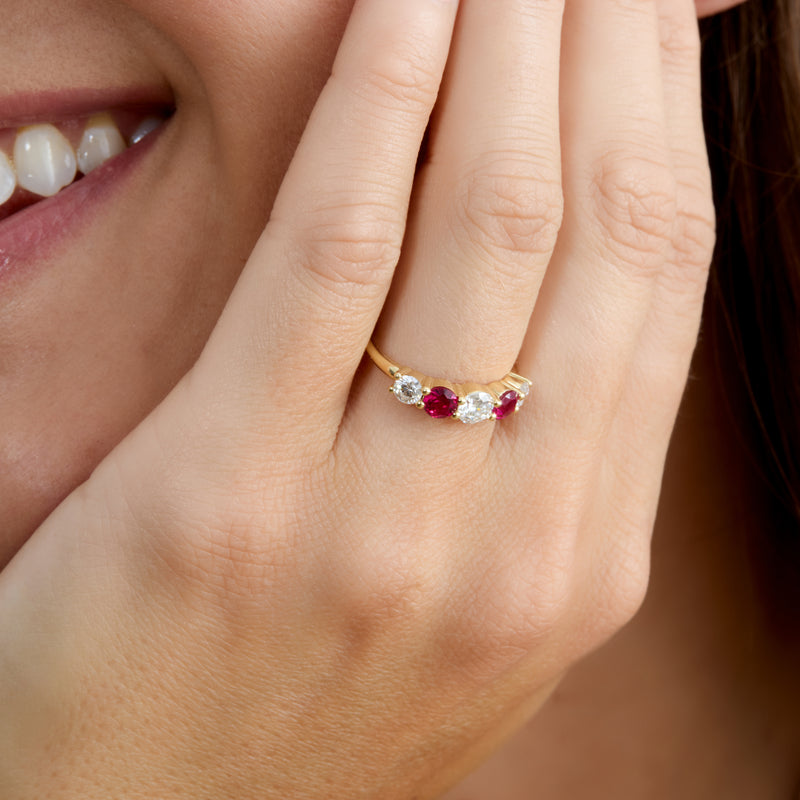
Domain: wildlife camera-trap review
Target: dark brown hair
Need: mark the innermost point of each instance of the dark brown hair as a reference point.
(751, 98)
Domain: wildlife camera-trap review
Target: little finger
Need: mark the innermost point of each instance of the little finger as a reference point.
(641, 431)
(619, 195)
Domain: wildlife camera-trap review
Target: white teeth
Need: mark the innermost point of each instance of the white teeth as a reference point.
(101, 140)
(44, 159)
(146, 126)
(8, 178)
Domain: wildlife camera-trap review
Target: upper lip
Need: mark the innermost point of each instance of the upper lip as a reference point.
(55, 105)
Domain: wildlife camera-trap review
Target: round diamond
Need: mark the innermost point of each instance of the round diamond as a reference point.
(508, 402)
(407, 390)
(475, 407)
(523, 391)
(441, 402)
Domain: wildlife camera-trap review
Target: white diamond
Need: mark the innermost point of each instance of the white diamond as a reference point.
(523, 391)
(407, 390)
(475, 407)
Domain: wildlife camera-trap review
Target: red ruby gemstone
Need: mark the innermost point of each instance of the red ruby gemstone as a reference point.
(440, 402)
(508, 403)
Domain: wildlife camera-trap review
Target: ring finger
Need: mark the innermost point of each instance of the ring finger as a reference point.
(487, 201)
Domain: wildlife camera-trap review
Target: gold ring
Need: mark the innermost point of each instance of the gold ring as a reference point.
(468, 402)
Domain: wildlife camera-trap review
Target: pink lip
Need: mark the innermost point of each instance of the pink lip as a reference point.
(56, 105)
(32, 233)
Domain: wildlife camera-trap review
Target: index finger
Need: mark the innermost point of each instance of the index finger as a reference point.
(308, 299)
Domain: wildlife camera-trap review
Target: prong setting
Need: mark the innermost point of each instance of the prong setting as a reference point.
(469, 403)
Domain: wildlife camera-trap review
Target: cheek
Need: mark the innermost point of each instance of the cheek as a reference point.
(249, 42)
(255, 68)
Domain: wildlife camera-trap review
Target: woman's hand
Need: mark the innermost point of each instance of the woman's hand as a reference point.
(284, 584)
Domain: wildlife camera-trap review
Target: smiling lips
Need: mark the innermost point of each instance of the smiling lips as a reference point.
(39, 160)
(62, 155)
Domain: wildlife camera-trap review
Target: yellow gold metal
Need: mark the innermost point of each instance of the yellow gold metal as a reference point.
(509, 381)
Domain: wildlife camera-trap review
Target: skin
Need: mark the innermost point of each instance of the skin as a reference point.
(699, 670)
(183, 266)
(219, 166)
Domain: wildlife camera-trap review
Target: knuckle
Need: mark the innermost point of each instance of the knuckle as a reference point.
(695, 232)
(508, 612)
(621, 585)
(352, 253)
(680, 40)
(685, 276)
(383, 598)
(510, 210)
(386, 589)
(389, 579)
(235, 551)
(405, 76)
(635, 203)
(223, 536)
(621, 567)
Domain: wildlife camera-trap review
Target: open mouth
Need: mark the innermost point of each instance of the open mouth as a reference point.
(42, 159)
(60, 155)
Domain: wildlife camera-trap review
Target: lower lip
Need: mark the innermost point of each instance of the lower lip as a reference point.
(32, 234)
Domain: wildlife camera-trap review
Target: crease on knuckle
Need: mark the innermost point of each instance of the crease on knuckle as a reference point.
(685, 276)
(387, 594)
(510, 211)
(695, 235)
(406, 76)
(680, 40)
(635, 203)
(350, 257)
(509, 611)
(371, 607)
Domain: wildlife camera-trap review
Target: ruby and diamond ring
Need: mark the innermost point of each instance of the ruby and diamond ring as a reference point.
(467, 402)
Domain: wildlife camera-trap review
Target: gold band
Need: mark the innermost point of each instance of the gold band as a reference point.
(469, 402)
